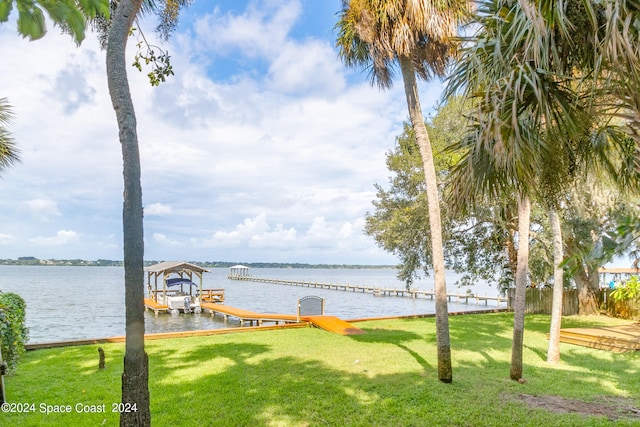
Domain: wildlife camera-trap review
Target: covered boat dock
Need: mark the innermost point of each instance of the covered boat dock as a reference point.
(186, 280)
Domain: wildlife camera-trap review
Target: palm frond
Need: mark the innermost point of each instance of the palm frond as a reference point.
(9, 153)
(373, 34)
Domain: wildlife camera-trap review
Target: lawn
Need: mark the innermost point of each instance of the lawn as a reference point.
(308, 377)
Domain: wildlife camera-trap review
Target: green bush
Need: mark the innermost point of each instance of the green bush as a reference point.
(624, 300)
(13, 332)
(630, 290)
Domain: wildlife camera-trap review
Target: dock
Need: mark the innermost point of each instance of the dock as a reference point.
(328, 323)
(618, 339)
(375, 290)
(156, 307)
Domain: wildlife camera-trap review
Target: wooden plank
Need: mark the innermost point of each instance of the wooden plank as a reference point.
(155, 305)
(230, 311)
(334, 324)
(150, 304)
(613, 338)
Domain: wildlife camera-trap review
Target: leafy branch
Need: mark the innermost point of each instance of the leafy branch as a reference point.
(153, 55)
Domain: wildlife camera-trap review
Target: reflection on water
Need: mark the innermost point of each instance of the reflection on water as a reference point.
(66, 303)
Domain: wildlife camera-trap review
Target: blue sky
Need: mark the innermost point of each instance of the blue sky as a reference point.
(262, 147)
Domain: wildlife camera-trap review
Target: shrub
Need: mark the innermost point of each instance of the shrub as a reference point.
(626, 299)
(630, 290)
(13, 332)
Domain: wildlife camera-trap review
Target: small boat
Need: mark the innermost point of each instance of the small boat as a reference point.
(179, 293)
(180, 301)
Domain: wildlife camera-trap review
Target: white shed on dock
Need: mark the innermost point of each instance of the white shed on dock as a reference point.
(239, 271)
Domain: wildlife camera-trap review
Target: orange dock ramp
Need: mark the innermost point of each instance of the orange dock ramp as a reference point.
(333, 324)
(328, 323)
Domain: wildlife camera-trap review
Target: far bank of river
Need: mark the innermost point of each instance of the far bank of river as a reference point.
(68, 303)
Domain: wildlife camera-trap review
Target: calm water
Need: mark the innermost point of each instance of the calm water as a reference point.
(66, 303)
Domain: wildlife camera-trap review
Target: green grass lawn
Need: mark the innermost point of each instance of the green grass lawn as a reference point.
(308, 377)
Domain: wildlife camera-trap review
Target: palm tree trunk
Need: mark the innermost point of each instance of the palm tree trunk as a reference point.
(553, 353)
(445, 372)
(135, 378)
(524, 214)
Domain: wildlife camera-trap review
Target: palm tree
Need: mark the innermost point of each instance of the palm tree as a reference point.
(8, 149)
(553, 351)
(518, 68)
(418, 36)
(135, 378)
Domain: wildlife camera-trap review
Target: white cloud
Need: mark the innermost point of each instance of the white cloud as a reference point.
(259, 31)
(251, 229)
(263, 145)
(311, 68)
(346, 231)
(164, 240)
(159, 209)
(320, 230)
(6, 239)
(42, 209)
(62, 237)
(257, 232)
(70, 87)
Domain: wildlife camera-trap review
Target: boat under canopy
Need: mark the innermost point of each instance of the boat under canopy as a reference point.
(171, 287)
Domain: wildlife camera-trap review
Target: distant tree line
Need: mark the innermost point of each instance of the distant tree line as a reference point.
(75, 262)
(30, 260)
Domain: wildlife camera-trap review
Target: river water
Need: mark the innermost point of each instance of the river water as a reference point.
(68, 303)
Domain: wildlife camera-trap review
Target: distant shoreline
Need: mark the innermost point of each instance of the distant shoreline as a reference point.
(32, 261)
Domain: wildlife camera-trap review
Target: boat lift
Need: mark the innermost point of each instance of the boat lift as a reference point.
(171, 288)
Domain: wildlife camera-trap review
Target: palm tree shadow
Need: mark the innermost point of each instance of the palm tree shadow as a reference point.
(538, 352)
(393, 337)
(421, 360)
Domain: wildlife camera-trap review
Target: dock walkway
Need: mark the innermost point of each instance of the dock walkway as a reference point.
(328, 323)
(375, 290)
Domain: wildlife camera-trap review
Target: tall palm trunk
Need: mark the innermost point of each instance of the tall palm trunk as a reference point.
(524, 216)
(445, 372)
(553, 353)
(135, 378)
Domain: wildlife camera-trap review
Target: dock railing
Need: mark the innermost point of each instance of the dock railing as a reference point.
(212, 295)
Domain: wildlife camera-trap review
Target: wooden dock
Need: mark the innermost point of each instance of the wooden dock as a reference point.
(150, 304)
(246, 316)
(333, 324)
(328, 323)
(618, 339)
(375, 290)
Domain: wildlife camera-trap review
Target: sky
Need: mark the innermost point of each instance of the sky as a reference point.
(263, 147)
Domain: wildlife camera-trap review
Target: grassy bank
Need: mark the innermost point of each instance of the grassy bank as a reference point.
(308, 377)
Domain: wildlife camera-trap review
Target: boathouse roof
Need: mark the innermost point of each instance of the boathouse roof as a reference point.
(239, 266)
(174, 267)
